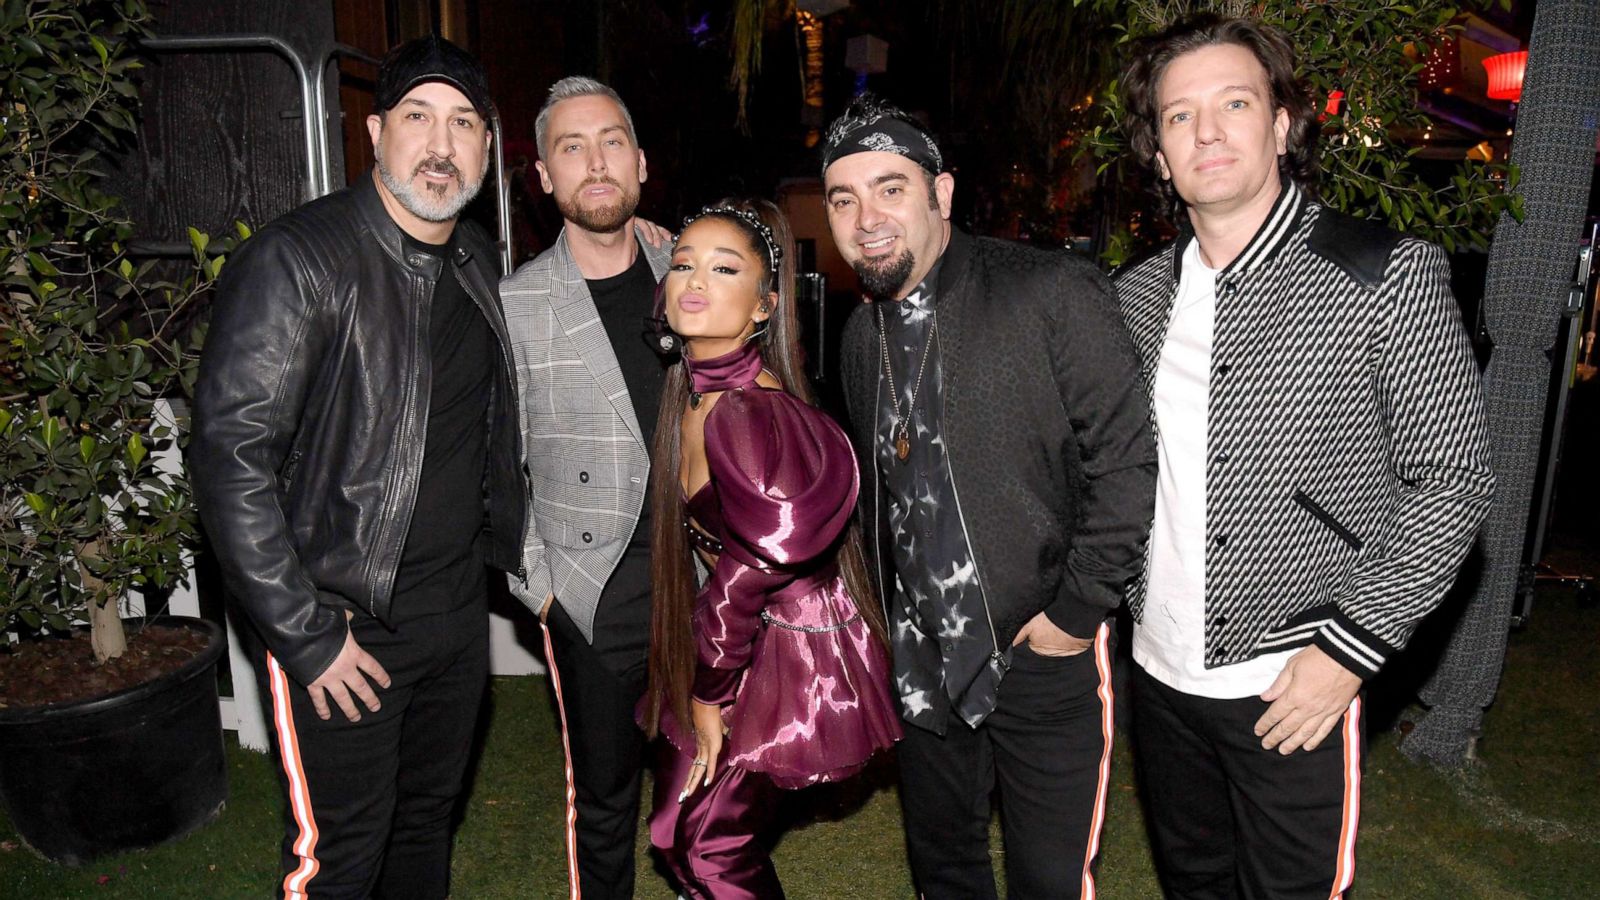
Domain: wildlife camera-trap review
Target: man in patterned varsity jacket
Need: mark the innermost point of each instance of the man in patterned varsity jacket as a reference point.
(1324, 468)
(590, 386)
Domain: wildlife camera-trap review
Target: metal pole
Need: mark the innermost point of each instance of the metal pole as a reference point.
(310, 98)
(314, 104)
(816, 287)
(502, 196)
(348, 52)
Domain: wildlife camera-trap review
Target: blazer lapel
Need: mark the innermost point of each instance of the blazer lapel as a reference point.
(575, 311)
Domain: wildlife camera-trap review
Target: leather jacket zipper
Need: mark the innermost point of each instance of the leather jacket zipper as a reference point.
(419, 385)
(502, 343)
(290, 466)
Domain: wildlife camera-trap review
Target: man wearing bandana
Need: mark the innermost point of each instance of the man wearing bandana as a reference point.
(1008, 485)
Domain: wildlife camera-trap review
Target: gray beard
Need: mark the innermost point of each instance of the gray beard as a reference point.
(432, 203)
(888, 279)
(606, 219)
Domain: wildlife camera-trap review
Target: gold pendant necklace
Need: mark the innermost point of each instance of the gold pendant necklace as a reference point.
(901, 428)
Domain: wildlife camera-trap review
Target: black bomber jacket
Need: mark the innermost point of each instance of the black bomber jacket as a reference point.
(1046, 430)
(311, 411)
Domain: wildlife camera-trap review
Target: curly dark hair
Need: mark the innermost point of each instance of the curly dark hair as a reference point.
(1271, 48)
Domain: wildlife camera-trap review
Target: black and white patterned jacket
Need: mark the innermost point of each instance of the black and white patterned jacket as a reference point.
(1347, 464)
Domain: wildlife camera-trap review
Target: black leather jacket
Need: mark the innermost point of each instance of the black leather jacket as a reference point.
(311, 410)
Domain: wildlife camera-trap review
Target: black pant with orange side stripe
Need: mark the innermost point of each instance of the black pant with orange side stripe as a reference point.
(370, 803)
(1047, 748)
(1228, 819)
(598, 686)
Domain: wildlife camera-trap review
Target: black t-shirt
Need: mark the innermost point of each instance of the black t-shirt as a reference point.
(442, 566)
(624, 302)
(622, 622)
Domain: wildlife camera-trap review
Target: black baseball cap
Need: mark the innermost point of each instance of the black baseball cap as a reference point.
(431, 58)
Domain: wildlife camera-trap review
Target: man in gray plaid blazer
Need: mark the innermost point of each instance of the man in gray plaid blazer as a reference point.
(590, 385)
(1324, 468)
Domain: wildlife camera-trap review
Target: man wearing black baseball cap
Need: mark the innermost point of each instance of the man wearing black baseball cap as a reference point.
(356, 458)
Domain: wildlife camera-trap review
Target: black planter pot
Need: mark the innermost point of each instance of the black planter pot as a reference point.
(132, 769)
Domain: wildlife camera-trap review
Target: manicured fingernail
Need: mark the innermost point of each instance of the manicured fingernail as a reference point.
(683, 795)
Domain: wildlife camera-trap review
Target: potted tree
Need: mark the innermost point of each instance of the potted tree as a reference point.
(112, 739)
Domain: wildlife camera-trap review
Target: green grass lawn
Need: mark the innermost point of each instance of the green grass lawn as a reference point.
(1522, 822)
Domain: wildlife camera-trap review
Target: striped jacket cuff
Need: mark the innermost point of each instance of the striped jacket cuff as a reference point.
(1352, 646)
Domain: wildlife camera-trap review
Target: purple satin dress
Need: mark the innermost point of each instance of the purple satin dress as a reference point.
(803, 683)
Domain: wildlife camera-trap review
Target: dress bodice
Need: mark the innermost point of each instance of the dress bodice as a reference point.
(705, 531)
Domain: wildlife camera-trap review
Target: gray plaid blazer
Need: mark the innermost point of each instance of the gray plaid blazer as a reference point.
(1347, 464)
(585, 457)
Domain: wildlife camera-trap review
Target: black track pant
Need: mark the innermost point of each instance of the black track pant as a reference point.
(597, 691)
(1229, 819)
(1047, 747)
(370, 803)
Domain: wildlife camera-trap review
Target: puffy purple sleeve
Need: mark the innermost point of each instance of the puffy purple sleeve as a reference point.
(785, 479)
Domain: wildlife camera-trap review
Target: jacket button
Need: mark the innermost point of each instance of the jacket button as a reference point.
(1221, 652)
(1221, 540)
(1223, 457)
(583, 477)
(588, 538)
(1220, 621)
(414, 259)
(1222, 368)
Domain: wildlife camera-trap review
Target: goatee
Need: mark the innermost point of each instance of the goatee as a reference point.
(433, 203)
(604, 219)
(885, 278)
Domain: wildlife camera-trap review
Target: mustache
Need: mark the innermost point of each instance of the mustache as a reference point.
(600, 179)
(437, 167)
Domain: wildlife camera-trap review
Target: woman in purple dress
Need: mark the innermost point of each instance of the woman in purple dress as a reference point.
(774, 673)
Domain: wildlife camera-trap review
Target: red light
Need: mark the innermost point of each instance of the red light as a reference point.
(1334, 106)
(1505, 75)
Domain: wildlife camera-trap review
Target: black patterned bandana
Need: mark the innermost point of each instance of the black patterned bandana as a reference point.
(880, 132)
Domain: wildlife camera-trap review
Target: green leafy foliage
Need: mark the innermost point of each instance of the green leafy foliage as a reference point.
(90, 338)
(1040, 78)
(1359, 47)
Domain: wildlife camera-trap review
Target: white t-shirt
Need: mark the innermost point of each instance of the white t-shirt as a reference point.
(1170, 641)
